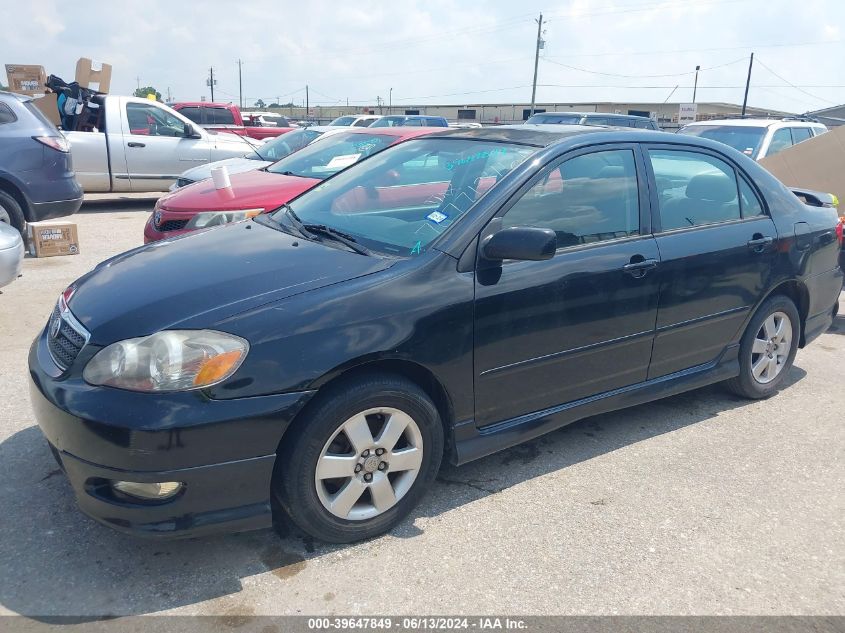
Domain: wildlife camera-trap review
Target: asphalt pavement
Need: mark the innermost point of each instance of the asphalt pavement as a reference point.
(699, 504)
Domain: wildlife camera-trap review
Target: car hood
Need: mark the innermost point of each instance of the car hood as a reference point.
(236, 165)
(249, 190)
(197, 280)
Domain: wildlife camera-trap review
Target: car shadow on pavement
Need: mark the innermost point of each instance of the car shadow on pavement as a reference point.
(838, 326)
(55, 562)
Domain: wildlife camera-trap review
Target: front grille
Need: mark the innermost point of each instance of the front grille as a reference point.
(184, 182)
(171, 225)
(66, 339)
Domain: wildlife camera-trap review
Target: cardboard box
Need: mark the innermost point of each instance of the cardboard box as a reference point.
(818, 163)
(26, 80)
(48, 104)
(88, 72)
(49, 239)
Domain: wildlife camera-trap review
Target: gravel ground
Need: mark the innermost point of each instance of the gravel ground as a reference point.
(699, 504)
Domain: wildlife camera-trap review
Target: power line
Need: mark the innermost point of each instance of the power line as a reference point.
(697, 50)
(597, 72)
(789, 83)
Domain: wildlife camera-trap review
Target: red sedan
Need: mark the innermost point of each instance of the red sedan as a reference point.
(201, 205)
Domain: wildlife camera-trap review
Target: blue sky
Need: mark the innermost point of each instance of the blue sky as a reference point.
(440, 51)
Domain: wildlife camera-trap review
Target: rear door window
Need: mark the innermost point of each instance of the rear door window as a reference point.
(219, 116)
(193, 113)
(800, 134)
(693, 188)
(6, 114)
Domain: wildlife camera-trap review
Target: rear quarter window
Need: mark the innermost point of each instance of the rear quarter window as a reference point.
(6, 114)
(193, 113)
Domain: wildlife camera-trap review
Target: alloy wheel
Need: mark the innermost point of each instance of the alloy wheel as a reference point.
(369, 463)
(770, 350)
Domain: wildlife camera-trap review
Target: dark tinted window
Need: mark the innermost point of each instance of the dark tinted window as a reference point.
(6, 114)
(219, 116)
(572, 119)
(743, 138)
(589, 198)
(363, 123)
(194, 114)
(693, 189)
(645, 124)
(748, 199)
(800, 134)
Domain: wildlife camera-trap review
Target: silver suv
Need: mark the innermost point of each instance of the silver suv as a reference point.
(756, 138)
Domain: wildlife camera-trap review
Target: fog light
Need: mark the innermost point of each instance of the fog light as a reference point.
(159, 490)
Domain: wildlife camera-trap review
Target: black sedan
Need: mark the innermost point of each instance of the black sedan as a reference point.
(449, 297)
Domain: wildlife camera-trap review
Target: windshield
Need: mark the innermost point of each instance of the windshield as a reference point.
(286, 144)
(555, 118)
(400, 200)
(744, 138)
(343, 120)
(328, 156)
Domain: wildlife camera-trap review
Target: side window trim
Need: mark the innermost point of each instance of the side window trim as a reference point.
(555, 163)
(652, 184)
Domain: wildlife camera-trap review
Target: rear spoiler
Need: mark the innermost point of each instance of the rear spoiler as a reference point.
(816, 198)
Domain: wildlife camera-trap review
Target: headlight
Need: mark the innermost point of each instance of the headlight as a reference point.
(172, 360)
(215, 218)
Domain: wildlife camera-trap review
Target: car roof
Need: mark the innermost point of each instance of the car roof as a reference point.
(399, 131)
(541, 135)
(756, 122)
(15, 96)
(589, 114)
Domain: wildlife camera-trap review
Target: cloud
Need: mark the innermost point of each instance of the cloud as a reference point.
(431, 51)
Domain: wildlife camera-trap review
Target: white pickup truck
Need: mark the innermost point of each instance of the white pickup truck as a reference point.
(142, 146)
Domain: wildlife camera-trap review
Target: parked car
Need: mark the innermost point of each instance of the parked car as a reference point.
(356, 120)
(410, 120)
(593, 118)
(143, 146)
(227, 118)
(266, 119)
(447, 297)
(262, 156)
(11, 252)
(36, 171)
(254, 192)
(756, 138)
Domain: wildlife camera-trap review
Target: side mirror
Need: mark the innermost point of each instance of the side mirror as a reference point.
(190, 132)
(521, 243)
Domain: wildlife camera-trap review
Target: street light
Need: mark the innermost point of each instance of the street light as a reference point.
(390, 102)
(695, 86)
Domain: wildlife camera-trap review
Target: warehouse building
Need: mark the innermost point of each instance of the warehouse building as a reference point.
(666, 114)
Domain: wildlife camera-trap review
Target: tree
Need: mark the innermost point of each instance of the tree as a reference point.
(147, 90)
(260, 104)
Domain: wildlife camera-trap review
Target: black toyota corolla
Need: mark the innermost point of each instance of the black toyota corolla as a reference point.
(448, 297)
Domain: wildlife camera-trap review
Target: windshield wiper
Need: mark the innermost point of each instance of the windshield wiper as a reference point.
(338, 236)
(294, 220)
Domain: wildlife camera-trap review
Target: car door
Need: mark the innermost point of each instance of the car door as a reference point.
(716, 246)
(156, 148)
(582, 323)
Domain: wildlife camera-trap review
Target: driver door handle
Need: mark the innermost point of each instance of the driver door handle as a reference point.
(639, 269)
(135, 144)
(760, 243)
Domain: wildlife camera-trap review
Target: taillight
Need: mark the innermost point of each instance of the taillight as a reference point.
(58, 143)
(840, 229)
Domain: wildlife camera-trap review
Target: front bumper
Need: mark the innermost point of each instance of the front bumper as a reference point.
(11, 263)
(152, 234)
(222, 450)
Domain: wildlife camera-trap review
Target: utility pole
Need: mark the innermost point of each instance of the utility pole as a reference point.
(747, 84)
(169, 98)
(240, 86)
(210, 82)
(307, 104)
(695, 86)
(378, 102)
(537, 60)
(390, 103)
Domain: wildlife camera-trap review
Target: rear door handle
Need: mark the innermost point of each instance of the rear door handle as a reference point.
(759, 243)
(134, 144)
(639, 269)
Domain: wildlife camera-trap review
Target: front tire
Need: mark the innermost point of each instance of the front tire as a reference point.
(359, 460)
(767, 349)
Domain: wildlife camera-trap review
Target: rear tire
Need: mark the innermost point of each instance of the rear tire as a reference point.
(359, 460)
(767, 349)
(11, 212)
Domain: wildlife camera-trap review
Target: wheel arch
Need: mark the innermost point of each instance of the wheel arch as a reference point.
(797, 292)
(421, 376)
(8, 186)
